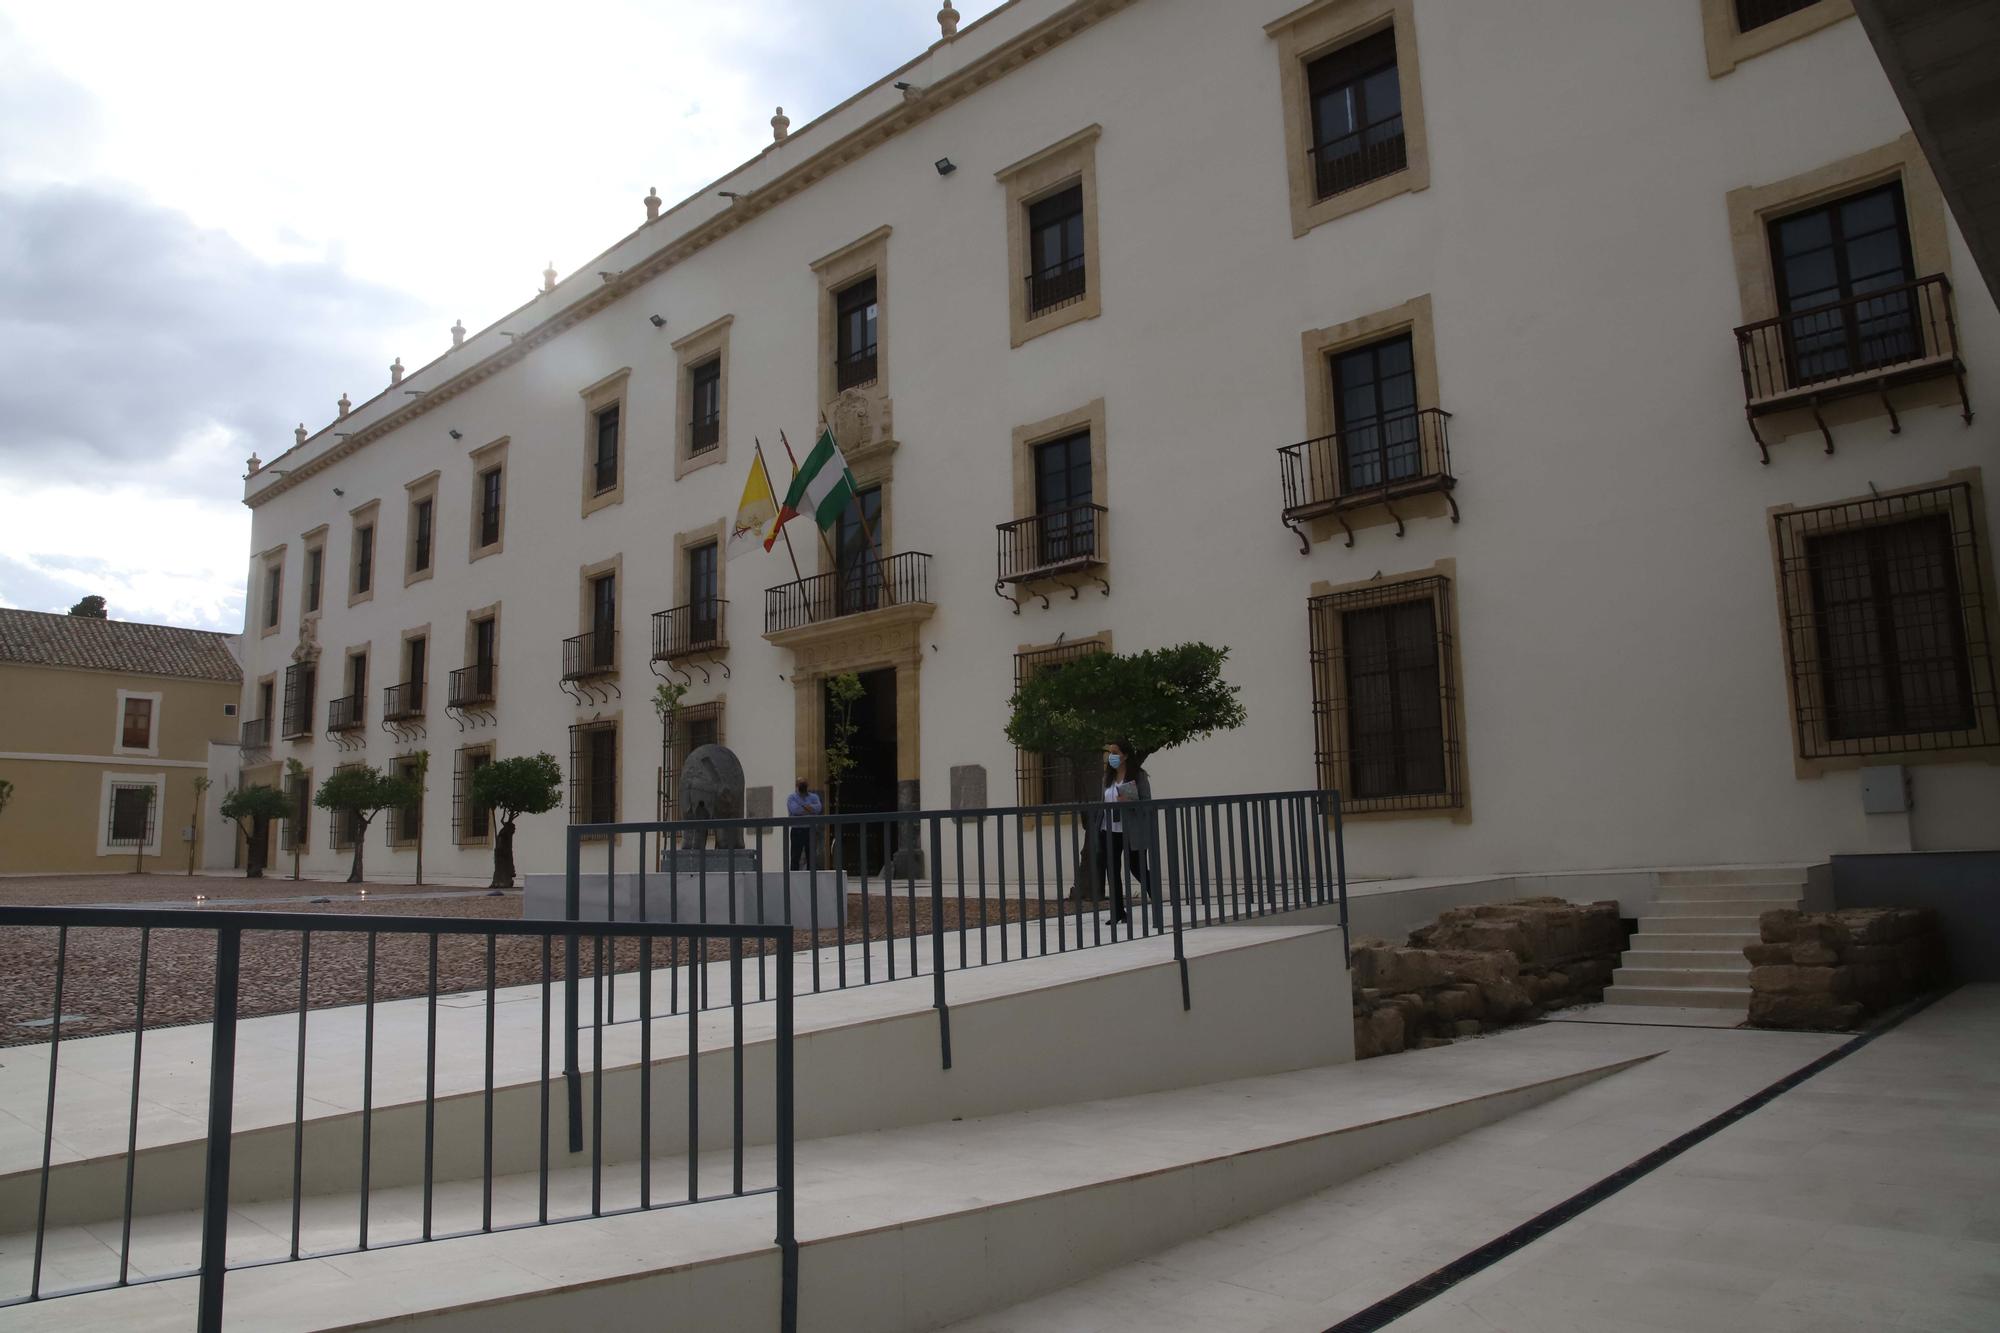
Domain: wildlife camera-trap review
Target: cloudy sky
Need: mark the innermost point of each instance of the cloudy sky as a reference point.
(215, 217)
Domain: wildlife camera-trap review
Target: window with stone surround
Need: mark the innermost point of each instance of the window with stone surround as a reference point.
(1055, 275)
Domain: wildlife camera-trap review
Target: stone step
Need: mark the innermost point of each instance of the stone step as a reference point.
(1735, 875)
(1711, 960)
(1668, 924)
(1682, 997)
(1731, 893)
(1672, 940)
(1679, 977)
(1750, 907)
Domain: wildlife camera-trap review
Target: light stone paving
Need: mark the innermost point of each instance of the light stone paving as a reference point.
(1868, 1198)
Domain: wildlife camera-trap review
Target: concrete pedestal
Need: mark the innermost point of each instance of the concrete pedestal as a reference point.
(694, 898)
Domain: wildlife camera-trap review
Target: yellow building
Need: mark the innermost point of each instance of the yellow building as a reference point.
(104, 727)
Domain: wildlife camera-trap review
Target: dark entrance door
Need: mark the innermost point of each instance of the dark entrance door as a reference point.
(870, 786)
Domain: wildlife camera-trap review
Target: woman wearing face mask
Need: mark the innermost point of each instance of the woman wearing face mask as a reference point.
(1124, 836)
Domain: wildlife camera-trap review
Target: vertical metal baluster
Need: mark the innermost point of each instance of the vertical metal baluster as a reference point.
(839, 864)
(1340, 869)
(646, 1071)
(979, 852)
(1170, 870)
(736, 1062)
(958, 857)
(812, 903)
(298, 1092)
(1000, 873)
(610, 914)
(888, 903)
(1021, 869)
(597, 1077)
(49, 1118)
(542, 1144)
(1042, 892)
(910, 889)
(367, 1084)
(486, 1163)
(1201, 822)
(1269, 843)
(132, 1129)
(787, 1238)
(1246, 875)
(430, 1078)
(701, 915)
(694, 1087)
(867, 949)
(221, 1140)
(763, 919)
(672, 850)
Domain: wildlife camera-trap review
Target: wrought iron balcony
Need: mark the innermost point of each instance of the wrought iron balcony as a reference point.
(1864, 344)
(694, 630)
(257, 734)
(1057, 286)
(297, 723)
(856, 370)
(590, 655)
(1052, 545)
(1340, 165)
(403, 703)
(472, 686)
(870, 585)
(346, 714)
(704, 435)
(1375, 464)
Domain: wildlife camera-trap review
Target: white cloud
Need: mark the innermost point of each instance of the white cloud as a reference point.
(214, 224)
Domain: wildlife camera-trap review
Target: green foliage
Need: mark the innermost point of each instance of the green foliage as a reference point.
(843, 692)
(1148, 702)
(91, 608)
(253, 803)
(667, 696)
(523, 785)
(201, 785)
(364, 791)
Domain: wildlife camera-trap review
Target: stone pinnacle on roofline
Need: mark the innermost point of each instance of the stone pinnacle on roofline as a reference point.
(781, 126)
(458, 333)
(299, 434)
(396, 371)
(652, 203)
(549, 277)
(948, 20)
(343, 404)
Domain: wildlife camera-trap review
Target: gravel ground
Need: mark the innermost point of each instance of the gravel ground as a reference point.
(101, 967)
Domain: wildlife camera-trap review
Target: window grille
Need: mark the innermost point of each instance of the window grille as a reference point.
(1357, 115)
(695, 725)
(1887, 630)
(299, 682)
(298, 825)
(471, 822)
(406, 822)
(593, 773)
(1385, 696)
(1054, 779)
(344, 826)
(132, 816)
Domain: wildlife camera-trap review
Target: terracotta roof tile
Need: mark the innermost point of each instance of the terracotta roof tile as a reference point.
(38, 638)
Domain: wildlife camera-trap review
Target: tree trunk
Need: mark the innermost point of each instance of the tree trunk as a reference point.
(259, 838)
(360, 843)
(503, 857)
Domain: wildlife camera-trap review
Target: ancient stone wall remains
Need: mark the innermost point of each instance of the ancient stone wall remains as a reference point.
(1833, 969)
(1481, 968)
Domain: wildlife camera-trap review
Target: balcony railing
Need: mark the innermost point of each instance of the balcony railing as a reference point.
(1057, 286)
(869, 586)
(346, 714)
(690, 631)
(471, 686)
(704, 435)
(855, 370)
(591, 654)
(401, 703)
(297, 719)
(1052, 543)
(1859, 345)
(1377, 463)
(257, 734)
(1339, 165)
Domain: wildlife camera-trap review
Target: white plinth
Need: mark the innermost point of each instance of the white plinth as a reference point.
(771, 897)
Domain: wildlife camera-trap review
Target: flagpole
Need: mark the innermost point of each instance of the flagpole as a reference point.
(867, 532)
(781, 528)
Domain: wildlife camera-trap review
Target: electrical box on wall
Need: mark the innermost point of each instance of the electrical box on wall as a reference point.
(1885, 790)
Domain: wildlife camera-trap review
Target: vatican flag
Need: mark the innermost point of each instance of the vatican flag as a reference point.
(757, 516)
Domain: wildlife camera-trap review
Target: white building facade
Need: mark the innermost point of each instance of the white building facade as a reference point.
(1569, 574)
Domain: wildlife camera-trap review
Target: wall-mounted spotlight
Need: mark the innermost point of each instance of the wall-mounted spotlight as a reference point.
(456, 435)
(945, 166)
(342, 494)
(415, 393)
(659, 321)
(728, 194)
(907, 87)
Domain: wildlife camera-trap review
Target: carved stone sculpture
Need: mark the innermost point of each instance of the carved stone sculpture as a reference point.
(711, 787)
(458, 333)
(948, 20)
(781, 125)
(652, 203)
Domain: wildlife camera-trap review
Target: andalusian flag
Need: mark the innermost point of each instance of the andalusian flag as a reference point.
(757, 515)
(822, 487)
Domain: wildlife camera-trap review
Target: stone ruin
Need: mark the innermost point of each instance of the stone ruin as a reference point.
(1830, 970)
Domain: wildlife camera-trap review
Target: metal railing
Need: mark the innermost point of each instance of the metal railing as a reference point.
(471, 685)
(1908, 331)
(1395, 456)
(511, 1132)
(881, 897)
(400, 703)
(257, 734)
(593, 653)
(869, 586)
(1047, 543)
(704, 434)
(856, 370)
(345, 713)
(686, 631)
(1057, 286)
(1355, 159)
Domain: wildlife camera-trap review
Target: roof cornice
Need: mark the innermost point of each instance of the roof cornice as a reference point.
(1069, 22)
